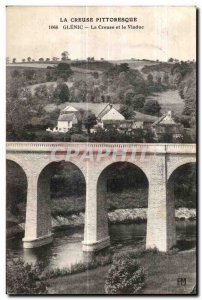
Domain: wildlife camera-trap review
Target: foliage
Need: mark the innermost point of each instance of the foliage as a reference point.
(109, 136)
(23, 278)
(18, 113)
(149, 136)
(152, 107)
(185, 186)
(138, 102)
(125, 276)
(89, 121)
(61, 69)
(45, 137)
(65, 55)
(79, 138)
(64, 179)
(126, 111)
(41, 91)
(62, 92)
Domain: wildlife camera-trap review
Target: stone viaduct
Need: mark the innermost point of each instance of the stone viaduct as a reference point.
(158, 162)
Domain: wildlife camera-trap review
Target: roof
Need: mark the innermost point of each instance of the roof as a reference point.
(105, 110)
(166, 119)
(69, 108)
(95, 108)
(66, 117)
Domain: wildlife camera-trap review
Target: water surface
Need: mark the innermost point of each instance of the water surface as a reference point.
(66, 248)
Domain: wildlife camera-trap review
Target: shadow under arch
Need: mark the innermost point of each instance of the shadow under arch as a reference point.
(16, 190)
(116, 176)
(181, 186)
(44, 184)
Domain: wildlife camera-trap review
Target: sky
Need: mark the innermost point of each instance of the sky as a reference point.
(168, 32)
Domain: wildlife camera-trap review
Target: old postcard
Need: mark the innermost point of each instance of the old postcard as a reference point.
(101, 150)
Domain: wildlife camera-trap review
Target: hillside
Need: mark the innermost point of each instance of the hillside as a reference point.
(40, 90)
(135, 64)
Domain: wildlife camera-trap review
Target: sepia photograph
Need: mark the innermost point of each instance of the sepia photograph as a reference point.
(101, 150)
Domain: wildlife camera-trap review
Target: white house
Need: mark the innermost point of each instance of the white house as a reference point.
(66, 121)
(109, 113)
(68, 117)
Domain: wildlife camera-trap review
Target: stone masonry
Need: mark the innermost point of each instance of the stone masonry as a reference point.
(157, 161)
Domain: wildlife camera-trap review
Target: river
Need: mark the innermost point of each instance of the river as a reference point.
(66, 248)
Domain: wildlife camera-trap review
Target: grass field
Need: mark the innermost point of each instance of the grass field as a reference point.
(135, 64)
(31, 65)
(169, 100)
(162, 274)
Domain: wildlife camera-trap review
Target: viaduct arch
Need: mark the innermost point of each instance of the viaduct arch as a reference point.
(158, 164)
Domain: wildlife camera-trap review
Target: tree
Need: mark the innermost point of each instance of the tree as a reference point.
(62, 70)
(170, 59)
(65, 55)
(129, 94)
(55, 58)
(41, 59)
(23, 60)
(29, 59)
(89, 121)
(150, 78)
(138, 102)
(152, 107)
(14, 60)
(15, 74)
(126, 111)
(62, 92)
(23, 278)
(123, 67)
(47, 59)
(18, 112)
(95, 75)
(41, 91)
(29, 73)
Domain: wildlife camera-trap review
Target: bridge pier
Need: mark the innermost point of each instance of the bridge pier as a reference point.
(38, 215)
(96, 235)
(161, 229)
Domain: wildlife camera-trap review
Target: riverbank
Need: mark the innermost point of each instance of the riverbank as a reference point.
(177, 265)
(135, 215)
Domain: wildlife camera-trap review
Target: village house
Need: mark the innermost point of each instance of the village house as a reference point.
(167, 128)
(69, 109)
(109, 115)
(66, 120)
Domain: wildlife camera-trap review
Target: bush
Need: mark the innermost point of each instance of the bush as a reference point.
(125, 276)
(23, 278)
(79, 138)
(152, 107)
